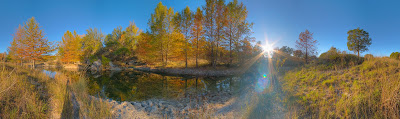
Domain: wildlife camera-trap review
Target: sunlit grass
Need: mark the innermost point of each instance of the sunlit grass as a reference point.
(26, 93)
(359, 91)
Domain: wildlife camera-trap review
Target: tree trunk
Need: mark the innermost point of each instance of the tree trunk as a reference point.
(33, 64)
(197, 50)
(186, 50)
(358, 53)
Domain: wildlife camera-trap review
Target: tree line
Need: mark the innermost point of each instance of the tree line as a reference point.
(216, 32)
(358, 41)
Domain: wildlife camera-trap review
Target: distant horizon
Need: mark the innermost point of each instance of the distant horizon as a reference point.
(278, 22)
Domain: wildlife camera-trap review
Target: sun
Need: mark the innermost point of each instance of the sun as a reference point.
(268, 50)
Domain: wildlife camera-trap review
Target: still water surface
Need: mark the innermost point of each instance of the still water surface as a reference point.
(138, 86)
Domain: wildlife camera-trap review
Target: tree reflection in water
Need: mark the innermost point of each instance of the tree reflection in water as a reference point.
(138, 86)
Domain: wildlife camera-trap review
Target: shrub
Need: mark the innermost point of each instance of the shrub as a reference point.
(395, 55)
(332, 54)
(122, 51)
(92, 58)
(105, 61)
(336, 58)
(368, 56)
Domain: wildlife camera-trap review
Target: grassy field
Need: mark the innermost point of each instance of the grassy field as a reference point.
(32, 94)
(368, 90)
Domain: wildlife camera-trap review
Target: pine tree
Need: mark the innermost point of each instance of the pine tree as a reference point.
(70, 48)
(30, 41)
(197, 32)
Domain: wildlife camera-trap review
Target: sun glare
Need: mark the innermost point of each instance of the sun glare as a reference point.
(268, 50)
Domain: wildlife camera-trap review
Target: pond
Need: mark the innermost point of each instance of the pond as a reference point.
(138, 86)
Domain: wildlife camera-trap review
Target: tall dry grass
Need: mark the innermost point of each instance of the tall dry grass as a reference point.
(26, 93)
(368, 90)
(22, 94)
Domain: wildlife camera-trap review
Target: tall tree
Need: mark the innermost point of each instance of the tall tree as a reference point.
(184, 21)
(92, 42)
(130, 37)
(30, 41)
(220, 22)
(237, 27)
(158, 27)
(358, 41)
(70, 48)
(307, 44)
(170, 32)
(113, 39)
(197, 32)
(209, 25)
(13, 49)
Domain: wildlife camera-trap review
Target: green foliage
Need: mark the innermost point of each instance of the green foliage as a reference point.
(395, 55)
(358, 40)
(105, 61)
(92, 42)
(92, 58)
(287, 50)
(368, 56)
(122, 51)
(335, 58)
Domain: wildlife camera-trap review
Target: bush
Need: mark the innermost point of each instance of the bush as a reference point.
(122, 51)
(395, 55)
(338, 59)
(105, 61)
(332, 54)
(92, 58)
(368, 56)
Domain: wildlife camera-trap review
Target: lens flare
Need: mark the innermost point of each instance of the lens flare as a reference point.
(262, 84)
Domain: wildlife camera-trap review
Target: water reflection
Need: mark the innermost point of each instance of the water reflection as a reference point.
(50, 73)
(136, 86)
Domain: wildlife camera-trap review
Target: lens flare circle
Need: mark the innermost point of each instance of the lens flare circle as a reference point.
(262, 84)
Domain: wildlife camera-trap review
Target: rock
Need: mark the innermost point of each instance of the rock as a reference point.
(132, 62)
(153, 109)
(160, 104)
(144, 104)
(150, 103)
(147, 109)
(137, 105)
(114, 67)
(186, 108)
(96, 66)
(180, 105)
(126, 104)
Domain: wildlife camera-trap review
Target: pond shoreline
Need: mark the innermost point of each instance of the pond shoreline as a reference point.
(190, 71)
(203, 105)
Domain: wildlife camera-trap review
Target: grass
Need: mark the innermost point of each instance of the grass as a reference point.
(26, 93)
(19, 98)
(368, 90)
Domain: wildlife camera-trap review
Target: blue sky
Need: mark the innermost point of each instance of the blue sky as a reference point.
(279, 21)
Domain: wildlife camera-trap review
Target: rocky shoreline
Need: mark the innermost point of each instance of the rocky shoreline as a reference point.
(207, 105)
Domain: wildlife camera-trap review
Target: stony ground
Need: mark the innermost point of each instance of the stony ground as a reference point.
(200, 106)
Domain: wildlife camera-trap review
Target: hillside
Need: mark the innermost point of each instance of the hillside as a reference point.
(368, 90)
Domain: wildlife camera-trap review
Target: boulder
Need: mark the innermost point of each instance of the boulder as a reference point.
(96, 66)
(137, 105)
(153, 109)
(114, 67)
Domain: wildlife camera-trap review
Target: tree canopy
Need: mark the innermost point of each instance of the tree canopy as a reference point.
(358, 41)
